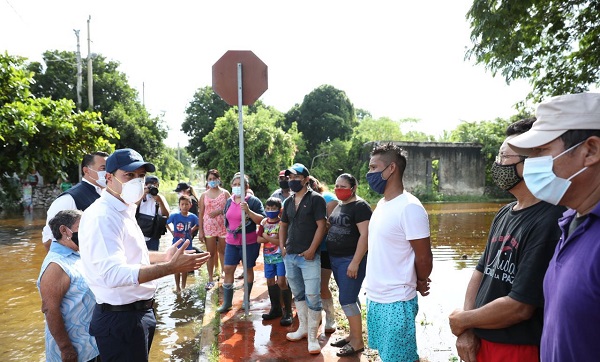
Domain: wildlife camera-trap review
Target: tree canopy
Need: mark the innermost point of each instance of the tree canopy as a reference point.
(553, 44)
(326, 113)
(267, 148)
(114, 99)
(201, 114)
(41, 133)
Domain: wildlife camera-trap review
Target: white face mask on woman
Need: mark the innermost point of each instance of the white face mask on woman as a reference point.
(543, 182)
(132, 190)
(236, 190)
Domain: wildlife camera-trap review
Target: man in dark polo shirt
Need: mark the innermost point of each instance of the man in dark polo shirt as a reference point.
(303, 226)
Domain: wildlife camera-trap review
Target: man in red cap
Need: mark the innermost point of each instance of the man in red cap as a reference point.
(283, 191)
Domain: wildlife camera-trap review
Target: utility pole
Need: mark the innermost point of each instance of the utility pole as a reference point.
(79, 72)
(90, 74)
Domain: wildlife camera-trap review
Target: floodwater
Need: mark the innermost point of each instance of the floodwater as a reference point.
(22, 322)
(458, 233)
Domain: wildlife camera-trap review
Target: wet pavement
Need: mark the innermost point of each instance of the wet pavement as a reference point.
(252, 339)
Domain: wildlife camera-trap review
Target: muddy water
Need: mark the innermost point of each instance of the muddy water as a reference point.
(458, 236)
(22, 323)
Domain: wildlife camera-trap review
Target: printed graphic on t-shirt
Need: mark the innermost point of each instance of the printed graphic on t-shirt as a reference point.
(271, 252)
(502, 265)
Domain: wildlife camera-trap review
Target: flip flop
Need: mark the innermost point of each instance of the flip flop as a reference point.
(339, 343)
(209, 285)
(348, 350)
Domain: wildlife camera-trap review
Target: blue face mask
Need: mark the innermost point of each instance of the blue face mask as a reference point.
(376, 181)
(213, 184)
(272, 214)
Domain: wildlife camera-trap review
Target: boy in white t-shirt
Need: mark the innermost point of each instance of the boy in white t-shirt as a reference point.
(399, 261)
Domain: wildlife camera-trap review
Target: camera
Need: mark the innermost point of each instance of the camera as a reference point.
(152, 190)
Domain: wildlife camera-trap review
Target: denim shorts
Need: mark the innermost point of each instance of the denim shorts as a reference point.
(348, 287)
(233, 254)
(273, 270)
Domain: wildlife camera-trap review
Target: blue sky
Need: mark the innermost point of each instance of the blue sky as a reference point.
(396, 59)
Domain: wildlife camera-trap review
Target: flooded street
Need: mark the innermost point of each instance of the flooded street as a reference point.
(22, 322)
(458, 235)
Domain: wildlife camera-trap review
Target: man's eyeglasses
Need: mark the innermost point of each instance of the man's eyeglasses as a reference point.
(501, 157)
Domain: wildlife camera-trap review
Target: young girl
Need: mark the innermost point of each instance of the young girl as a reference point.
(212, 222)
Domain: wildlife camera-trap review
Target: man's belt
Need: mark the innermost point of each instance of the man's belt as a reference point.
(135, 306)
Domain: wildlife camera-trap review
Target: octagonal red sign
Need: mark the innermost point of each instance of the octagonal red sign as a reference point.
(254, 77)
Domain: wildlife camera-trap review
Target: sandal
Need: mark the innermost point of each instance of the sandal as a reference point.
(209, 285)
(348, 350)
(339, 343)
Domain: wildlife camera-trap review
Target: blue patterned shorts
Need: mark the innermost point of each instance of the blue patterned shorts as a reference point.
(391, 329)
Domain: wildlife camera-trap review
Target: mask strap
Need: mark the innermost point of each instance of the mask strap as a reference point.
(577, 173)
(565, 151)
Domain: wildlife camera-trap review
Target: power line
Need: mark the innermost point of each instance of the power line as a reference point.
(15, 10)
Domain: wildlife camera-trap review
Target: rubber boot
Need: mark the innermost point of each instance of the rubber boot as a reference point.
(227, 298)
(302, 330)
(274, 295)
(247, 297)
(314, 320)
(330, 324)
(288, 317)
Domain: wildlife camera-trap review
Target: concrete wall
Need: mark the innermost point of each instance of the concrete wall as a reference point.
(461, 167)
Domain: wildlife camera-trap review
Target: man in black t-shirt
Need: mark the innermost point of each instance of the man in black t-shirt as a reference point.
(502, 313)
(303, 226)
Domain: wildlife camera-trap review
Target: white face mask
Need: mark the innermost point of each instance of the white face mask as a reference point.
(101, 180)
(132, 190)
(236, 190)
(543, 182)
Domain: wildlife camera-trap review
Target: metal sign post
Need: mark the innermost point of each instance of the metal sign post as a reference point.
(242, 186)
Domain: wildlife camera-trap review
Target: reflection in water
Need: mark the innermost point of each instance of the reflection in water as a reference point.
(21, 319)
(458, 233)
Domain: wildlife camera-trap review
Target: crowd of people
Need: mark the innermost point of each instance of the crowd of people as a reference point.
(532, 295)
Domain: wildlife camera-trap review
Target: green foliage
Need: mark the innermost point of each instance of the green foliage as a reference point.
(490, 134)
(201, 114)
(267, 148)
(41, 133)
(325, 114)
(169, 168)
(553, 44)
(114, 99)
(332, 163)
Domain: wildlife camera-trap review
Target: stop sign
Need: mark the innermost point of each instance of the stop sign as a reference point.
(254, 77)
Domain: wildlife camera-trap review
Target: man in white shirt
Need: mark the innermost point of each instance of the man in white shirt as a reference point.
(118, 266)
(80, 196)
(399, 261)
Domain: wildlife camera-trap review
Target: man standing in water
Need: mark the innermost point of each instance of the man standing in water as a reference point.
(502, 315)
(117, 265)
(399, 260)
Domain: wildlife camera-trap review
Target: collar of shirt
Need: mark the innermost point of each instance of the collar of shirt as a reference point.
(62, 250)
(98, 189)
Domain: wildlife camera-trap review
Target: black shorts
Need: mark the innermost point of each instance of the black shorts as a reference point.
(325, 262)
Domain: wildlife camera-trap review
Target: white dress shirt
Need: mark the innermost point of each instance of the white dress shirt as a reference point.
(113, 249)
(65, 202)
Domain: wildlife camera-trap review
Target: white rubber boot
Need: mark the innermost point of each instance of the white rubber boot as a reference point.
(314, 321)
(301, 332)
(330, 325)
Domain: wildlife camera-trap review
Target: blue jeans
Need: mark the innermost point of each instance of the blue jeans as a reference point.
(304, 277)
(348, 287)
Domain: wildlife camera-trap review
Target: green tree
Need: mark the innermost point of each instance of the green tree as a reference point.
(490, 134)
(326, 113)
(201, 114)
(114, 99)
(267, 148)
(41, 133)
(553, 44)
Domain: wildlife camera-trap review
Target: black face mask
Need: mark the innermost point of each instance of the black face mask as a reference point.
(284, 184)
(506, 176)
(296, 185)
(75, 238)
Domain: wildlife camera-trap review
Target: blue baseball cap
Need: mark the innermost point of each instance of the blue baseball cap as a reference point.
(297, 169)
(128, 160)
